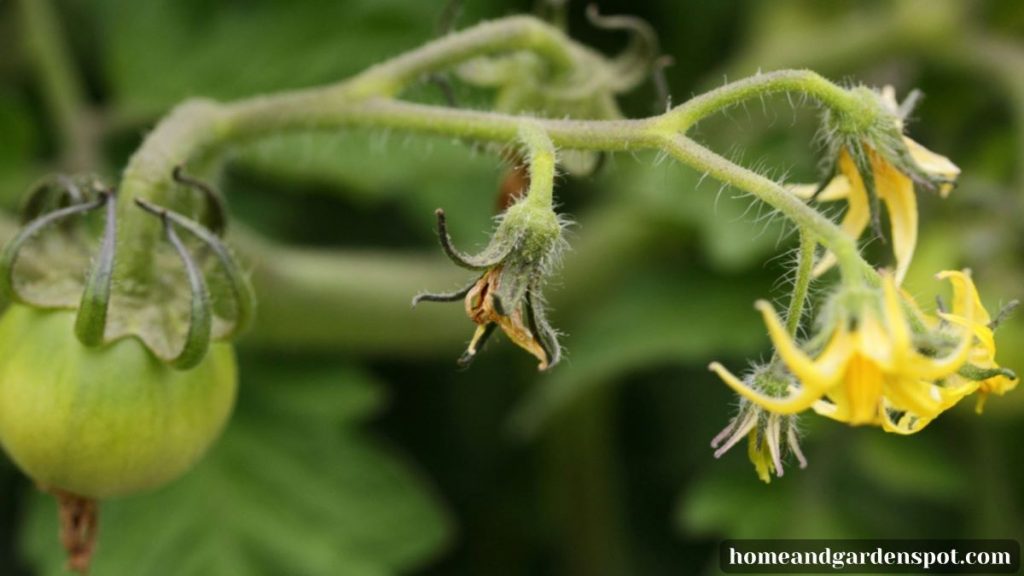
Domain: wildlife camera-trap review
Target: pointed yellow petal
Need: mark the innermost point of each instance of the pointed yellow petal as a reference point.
(917, 396)
(757, 453)
(837, 189)
(897, 191)
(899, 332)
(830, 410)
(819, 374)
(965, 295)
(937, 368)
(934, 164)
(858, 211)
(981, 331)
(795, 402)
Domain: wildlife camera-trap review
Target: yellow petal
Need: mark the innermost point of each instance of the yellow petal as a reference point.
(837, 189)
(937, 368)
(907, 424)
(934, 164)
(758, 455)
(819, 374)
(863, 384)
(795, 402)
(917, 396)
(965, 295)
(896, 322)
(981, 331)
(874, 342)
(858, 211)
(897, 191)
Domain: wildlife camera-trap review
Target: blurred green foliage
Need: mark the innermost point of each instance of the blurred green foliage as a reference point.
(359, 448)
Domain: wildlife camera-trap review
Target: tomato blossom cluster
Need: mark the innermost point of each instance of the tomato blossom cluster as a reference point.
(875, 357)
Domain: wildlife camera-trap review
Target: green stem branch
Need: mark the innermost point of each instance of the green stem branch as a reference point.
(684, 116)
(806, 218)
(541, 156)
(802, 282)
(202, 129)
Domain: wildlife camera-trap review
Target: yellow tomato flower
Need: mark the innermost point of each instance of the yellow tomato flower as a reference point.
(990, 377)
(891, 180)
(870, 369)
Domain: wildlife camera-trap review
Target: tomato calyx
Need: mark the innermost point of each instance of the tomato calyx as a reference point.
(64, 258)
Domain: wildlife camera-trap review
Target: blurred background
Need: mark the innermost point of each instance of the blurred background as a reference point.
(359, 448)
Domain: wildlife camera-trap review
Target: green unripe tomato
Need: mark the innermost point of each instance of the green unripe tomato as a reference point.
(106, 421)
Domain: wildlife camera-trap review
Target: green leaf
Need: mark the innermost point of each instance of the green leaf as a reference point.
(294, 487)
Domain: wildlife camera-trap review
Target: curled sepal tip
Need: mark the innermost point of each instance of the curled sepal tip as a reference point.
(639, 57)
(91, 321)
(216, 219)
(200, 330)
(242, 291)
(507, 295)
(200, 325)
(197, 339)
(494, 253)
(13, 249)
(59, 191)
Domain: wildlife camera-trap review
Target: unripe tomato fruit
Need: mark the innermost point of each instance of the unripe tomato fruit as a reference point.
(106, 421)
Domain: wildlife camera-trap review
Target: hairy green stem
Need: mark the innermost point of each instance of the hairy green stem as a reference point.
(806, 218)
(682, 117)
(802, 282)
(202, 130)
(517, 33)
(541, 155)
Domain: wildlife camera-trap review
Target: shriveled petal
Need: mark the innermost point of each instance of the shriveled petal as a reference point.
(858, 210)
(933, 164)
(772, 437)
(480, 336)
(797, 401)
(513, 327)
(897, 191)
(817, 375)
(794, 446)
(734, 432)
